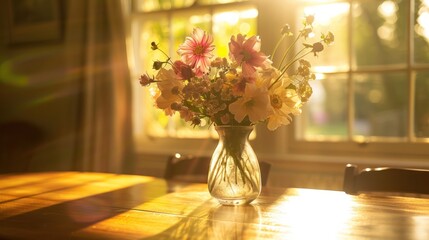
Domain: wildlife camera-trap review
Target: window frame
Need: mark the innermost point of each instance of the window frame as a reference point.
(371, 149)
(283, 143)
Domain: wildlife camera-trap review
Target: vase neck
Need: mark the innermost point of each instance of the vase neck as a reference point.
(237, 132)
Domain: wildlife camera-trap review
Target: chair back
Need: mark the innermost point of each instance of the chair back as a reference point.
(386, 179)
(265, 171)
(190, 168)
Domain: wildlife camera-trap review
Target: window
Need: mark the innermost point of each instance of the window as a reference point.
(168, 23)
(371, 96)
(374, 87)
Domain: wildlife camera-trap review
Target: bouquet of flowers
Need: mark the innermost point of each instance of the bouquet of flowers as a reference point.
(244, 89)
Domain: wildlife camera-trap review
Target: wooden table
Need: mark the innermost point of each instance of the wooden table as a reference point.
(81, 205)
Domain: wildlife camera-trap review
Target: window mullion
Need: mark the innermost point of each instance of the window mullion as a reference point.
(411, 72)
(350, 95)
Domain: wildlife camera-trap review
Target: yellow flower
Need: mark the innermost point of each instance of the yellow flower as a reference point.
(255, 104)
(170, 87)
(284, 103)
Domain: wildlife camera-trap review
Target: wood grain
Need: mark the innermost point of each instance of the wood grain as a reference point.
(75, 205)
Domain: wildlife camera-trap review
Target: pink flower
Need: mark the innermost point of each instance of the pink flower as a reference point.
(196, 51)
(182, 70)
(246, 52)
(255, 103)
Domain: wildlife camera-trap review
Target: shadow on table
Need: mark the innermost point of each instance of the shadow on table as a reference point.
(60, 220)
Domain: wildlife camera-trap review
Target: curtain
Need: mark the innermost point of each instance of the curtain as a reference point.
(106, 118)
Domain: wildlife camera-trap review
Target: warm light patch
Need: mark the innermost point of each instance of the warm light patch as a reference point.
(197, 19)
(319, 11)
(387, 9)
(233, 17)
(422, 26)
(227, 17)
(311, 214)
(44, 193)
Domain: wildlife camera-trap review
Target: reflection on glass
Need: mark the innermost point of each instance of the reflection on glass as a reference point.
(336, 22)
(421, 116)
(381, 26)
(327, 110)
(421, 32)
(381, 104)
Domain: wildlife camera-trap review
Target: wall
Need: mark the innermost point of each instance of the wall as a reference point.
(40, 84)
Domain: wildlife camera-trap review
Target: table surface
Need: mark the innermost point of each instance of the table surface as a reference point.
(83, 205)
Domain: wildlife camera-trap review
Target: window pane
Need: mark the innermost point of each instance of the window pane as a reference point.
(183, 25)
(327, 108)
(381, 104)
(421, 32)
(154, 5)
(228, 22)
(379, 32)
(333, 58)
(150, 31)
(422, 105)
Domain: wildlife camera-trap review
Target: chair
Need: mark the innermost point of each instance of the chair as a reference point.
(191, 168)
(387, 179)
(187, 168)
(265, 171)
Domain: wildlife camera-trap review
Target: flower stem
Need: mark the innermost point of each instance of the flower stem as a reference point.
(277, 45)
(286, 67)
(288, 50)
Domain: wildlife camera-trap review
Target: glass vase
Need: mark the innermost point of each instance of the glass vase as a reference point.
(234, 176)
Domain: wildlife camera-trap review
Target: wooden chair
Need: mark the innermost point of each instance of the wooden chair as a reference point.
(191, 168)
(392, 180)
(187, 168)
(265, 171)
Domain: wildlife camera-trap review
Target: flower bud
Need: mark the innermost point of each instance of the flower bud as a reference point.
(196, 121)
(145, 80)
(176, 106)
(309, 19)
(157, 65)
(153, 46)
(317, 47)
(225, 118)
(328, 38)
(286, 30)
(306, 32)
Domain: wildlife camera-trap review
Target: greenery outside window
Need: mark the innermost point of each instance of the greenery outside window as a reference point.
(373, 92)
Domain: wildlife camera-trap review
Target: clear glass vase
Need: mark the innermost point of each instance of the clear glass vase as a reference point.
(234, 176)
